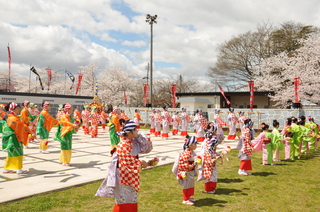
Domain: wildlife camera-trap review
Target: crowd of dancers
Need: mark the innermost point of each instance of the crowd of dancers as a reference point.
(21, 125)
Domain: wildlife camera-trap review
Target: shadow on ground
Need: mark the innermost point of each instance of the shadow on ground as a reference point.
(263, 174)
(226, 180)
(209, 202)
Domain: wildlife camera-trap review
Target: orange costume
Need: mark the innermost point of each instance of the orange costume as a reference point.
(104, 117)
(44, 126)
(137, 119)
(15, 133)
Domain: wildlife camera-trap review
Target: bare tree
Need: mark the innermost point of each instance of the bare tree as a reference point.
(240, 57)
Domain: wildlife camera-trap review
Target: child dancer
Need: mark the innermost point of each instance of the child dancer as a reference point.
(233, 120)
(26, 118)
(33, 124)
(314, 133)
(123, 180)
(166, 120)
(306, 137)
(85, 119)
(203, 124)
(185, 119)
(152, 121)
(295, 143)
(95, 119)
(219, 123)
(263, 143)
(208, 171)
(175, 122)
(158, 120)
(104, 117)
(245, 148)
(64, 135)
(15, 133)
(186, 170)
(242, 118)
(114, 128)
(287, 135)
(277, 140)
(44, 126)
(137, 118)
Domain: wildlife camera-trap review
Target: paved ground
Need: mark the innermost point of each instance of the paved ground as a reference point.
(90, 161)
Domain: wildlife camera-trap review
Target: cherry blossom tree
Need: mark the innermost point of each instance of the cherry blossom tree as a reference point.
(112, 84)
(278, 72)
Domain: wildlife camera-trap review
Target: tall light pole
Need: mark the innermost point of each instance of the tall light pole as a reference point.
(151, 19)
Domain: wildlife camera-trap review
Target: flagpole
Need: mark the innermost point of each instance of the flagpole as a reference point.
(29, 78)
(9, 61)
(48, 81)
(65, 80)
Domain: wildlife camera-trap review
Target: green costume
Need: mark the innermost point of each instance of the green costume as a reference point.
(315, 130)
(65, 141)
(41, 130)
(275, 139)
(296, 140)
(10, 142)
(305, 138)
(269, 147)
(2, 125)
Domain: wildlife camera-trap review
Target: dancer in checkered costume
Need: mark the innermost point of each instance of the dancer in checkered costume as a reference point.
(85, 119)
(186, 166)
(245, 148)
(219, 123)
(176, 120)
(123, 179)
(185, 120)
(233, 120)
(152, 121)
(95, 120)
(203, 124)
(166, 120)
(158, 121)
(242, 118)
(207, 170)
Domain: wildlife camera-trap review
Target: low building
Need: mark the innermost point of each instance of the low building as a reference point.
(216, 100)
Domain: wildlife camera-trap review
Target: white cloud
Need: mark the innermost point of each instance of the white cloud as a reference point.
(64, 34)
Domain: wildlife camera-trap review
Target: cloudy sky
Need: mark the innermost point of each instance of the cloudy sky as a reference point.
(65, 34)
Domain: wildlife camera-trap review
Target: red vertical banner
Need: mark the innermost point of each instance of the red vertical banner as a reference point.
(125, 98)
(79, 82)
(296, 88)
(173, 93)
(251, 88)
(222, 92)
(145, 94)
(49, 77)
(9, 60)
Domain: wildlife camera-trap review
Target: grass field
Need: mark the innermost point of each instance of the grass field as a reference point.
(288, 186)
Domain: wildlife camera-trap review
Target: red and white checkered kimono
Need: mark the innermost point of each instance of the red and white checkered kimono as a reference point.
(219, 123)
(158, 120)
(95, 120)
(186, 158)
(166, 120)
(203, 123)
(208, 171)
(85, 121)
(246, 149)
(233, 120)
(175, 122)
(185, 119)
(129, 166)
